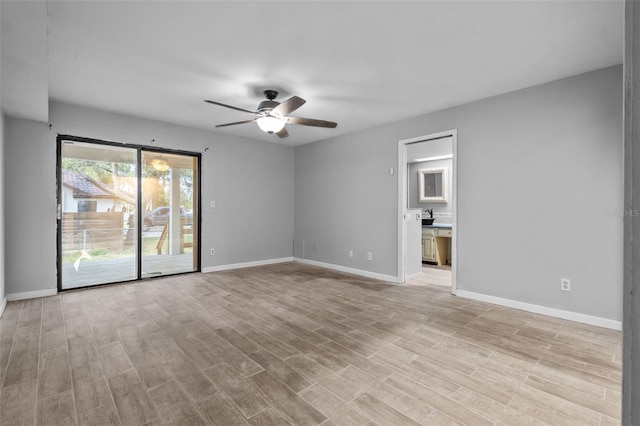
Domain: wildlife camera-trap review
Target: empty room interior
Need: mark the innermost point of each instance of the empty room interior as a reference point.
(314, 213)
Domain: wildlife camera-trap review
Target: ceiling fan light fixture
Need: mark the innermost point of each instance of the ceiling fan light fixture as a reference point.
(272, 116)
(160, 164)
(270, 124)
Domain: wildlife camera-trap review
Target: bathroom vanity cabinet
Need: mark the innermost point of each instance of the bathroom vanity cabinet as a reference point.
(436, 244)
(428, 247)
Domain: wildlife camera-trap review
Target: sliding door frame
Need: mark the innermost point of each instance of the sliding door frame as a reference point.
(60, 139)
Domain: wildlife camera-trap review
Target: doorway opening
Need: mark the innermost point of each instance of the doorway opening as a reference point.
(427, 195)
(125, 212)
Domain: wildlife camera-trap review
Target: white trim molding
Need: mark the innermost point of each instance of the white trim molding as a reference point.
(32, 294)
(388, 278)
(246, 264)
(2, 306)
(543, 310)
(424, 160)
(402, 203)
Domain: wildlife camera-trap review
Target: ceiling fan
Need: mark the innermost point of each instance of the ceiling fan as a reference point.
(271, 116)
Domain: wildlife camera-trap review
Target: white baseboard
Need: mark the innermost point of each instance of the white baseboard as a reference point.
(537, 309)
(374, 275)
(246, 264)
(3, 305)
(31, 294)
(529, 307)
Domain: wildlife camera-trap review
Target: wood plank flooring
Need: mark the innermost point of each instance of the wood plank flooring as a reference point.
(294, 344)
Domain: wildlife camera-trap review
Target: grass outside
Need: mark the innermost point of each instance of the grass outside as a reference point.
(98, 254)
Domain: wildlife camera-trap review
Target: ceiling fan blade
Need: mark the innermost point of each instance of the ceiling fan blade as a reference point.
(229, 106)
(311, 122)
(236, 122)
(288, 106)
(283, 133)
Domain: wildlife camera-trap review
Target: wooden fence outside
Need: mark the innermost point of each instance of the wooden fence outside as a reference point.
(89, 231)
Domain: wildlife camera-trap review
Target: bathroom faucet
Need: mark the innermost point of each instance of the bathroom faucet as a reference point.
(430, 212)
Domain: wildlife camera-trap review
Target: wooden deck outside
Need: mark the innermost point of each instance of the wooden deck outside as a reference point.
(124, 269)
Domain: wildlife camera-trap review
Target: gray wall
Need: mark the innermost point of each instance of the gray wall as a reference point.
(2, 210)
(432, 148)
(345, 199)
(250, 181)
(2, 205)
(443, 212)
(631, 324)
(30, 206)
(538, 170)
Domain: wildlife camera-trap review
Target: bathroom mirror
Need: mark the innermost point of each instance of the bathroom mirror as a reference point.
(432, 185)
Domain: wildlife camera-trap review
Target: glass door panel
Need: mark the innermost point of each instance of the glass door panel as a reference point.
(98, 239)
(169, 213)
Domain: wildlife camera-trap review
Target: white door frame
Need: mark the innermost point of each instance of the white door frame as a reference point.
(402, 203)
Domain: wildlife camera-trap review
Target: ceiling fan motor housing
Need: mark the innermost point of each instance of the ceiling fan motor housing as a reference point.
(270, 94)
(266, 106)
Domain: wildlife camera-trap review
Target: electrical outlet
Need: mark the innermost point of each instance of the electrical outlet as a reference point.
(369, 255)
(565, 284)
(213, 252)
(350, 253)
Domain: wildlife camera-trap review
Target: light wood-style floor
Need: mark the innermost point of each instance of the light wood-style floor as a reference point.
(432, 275)
(294, 344)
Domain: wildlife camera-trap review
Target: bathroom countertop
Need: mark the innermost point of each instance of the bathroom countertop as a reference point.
(438, 225)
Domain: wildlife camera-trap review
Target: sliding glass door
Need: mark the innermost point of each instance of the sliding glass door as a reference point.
(169, 222)
(125, 213)
(97, 196)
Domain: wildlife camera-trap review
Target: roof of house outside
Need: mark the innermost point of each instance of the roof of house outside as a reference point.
(83, 187)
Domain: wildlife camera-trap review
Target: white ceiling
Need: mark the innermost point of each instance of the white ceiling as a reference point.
(358, 63)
